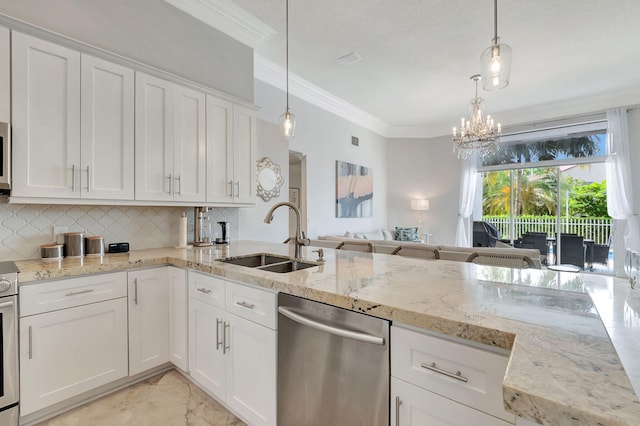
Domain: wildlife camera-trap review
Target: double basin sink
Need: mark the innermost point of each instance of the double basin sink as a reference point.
(269, 262)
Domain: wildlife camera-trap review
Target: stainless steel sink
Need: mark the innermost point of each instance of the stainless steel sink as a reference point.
(256, 260)
(269, 262)
(284, 267)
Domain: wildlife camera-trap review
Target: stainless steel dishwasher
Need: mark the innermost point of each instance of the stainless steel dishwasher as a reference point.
(333, 365)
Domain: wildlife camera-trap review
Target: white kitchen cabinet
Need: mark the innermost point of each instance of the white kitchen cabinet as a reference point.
(223, 347)
(231, 147)
(71, 346)
(170, 141)
(46, 118)
(72, 123)
(414, 406)
(5, 79)
(178, 318)
(148, 319)
(446, 382)
(107, 130)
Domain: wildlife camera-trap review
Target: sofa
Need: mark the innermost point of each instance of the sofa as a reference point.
(454, 253)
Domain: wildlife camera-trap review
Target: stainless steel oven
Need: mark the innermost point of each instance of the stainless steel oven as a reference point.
(5, 156)
(9, 392)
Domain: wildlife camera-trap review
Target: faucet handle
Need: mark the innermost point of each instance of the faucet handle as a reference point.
(320, 254)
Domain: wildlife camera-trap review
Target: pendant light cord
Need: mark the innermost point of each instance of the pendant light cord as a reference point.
(287, 51)
(495, 21)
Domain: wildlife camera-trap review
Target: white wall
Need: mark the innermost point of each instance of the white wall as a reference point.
(324, 138)
(149, 31)
(424, 168)
(252, 227)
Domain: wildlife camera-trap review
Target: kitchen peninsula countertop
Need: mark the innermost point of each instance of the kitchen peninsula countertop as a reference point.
(563, 368)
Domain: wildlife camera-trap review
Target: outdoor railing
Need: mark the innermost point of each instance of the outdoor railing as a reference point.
(596, 229)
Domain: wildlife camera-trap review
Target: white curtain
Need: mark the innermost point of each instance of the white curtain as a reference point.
(618, 173)
(468, 178)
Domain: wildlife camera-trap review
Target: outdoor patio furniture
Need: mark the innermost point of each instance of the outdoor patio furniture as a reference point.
(572, 250)
(485, 234)
(536, 240)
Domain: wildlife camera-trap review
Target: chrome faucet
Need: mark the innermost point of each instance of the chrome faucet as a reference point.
(299, 240)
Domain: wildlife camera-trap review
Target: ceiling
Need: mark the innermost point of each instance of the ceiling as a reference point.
(569, 56)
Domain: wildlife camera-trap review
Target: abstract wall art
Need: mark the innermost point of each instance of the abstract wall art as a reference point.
(354, 190)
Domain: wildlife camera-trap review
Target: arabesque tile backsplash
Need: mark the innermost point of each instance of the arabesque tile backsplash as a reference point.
(25, 227)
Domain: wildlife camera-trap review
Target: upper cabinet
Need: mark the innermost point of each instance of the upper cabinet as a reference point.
(46, 118)
(5, 80)
(72, 123)
(231, 147)
(170, 141)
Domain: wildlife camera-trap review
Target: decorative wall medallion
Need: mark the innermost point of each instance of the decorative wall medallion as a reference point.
(269, 179)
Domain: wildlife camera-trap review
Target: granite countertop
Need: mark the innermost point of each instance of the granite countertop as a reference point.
(563, 368)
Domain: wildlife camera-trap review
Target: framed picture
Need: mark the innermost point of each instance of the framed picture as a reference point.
(354, 190)
(294, 196)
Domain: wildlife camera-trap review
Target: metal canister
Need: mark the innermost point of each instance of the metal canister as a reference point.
(51, 251)
(94, 245)
(74, 244)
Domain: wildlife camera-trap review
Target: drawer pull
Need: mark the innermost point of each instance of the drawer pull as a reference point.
(398, 404)
(30, 342)
(246, 305)
(204, 290)
(73, 293)
(457, 375)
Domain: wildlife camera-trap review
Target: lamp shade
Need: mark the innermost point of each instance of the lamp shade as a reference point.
(419, 204)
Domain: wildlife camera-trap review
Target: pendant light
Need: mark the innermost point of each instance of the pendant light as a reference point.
(496, 59)
(287, 119)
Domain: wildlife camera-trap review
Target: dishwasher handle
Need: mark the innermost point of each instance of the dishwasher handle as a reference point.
(355, 335)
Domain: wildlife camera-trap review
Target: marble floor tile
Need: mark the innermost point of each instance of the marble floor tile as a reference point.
(167, 399)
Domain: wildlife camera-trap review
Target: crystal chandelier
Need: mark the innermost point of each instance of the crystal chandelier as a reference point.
(478, 135)
(287, 119)
(496, 59)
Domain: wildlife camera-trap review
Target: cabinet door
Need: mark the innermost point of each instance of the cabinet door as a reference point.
(189, 152)
(107, 150)
(178, 318)
(46, 118)
(71, 351)
(206, 354)
(244, 142)
(5, 81)
(219, 150)
(154, 139)
(251, 379)
(414, 406)
(148, 319)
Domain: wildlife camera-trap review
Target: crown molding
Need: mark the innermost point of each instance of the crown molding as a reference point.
(276, 76)
(227, 17)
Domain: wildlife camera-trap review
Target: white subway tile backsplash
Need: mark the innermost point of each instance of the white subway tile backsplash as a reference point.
(24, 228)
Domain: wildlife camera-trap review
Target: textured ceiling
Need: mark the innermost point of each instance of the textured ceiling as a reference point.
(569, 56)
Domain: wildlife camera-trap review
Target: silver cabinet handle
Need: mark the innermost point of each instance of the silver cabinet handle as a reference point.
(179, 179)
(73, 178)
(238, 185)
(135, 291)
(457, 375)
(6, 304)
(218, 341)
(362, 337)
(398, 404)
(88, 174)
(231, 188)
(246, 305)
(170, 183)
(73, 293)
(30, 343)
(225, 347)
(204, 290)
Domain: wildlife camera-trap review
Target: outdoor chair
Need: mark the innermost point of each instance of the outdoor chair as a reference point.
(355, 246)
(537, 240)
(418, 252)
(485, 234)
(572, 250)
(518, 261)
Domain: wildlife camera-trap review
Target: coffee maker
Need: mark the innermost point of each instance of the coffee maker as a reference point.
(224, 236)
(202, 228)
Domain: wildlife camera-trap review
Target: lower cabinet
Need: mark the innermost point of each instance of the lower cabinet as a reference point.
(178, 318)
(66, 352)
(233, 356)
